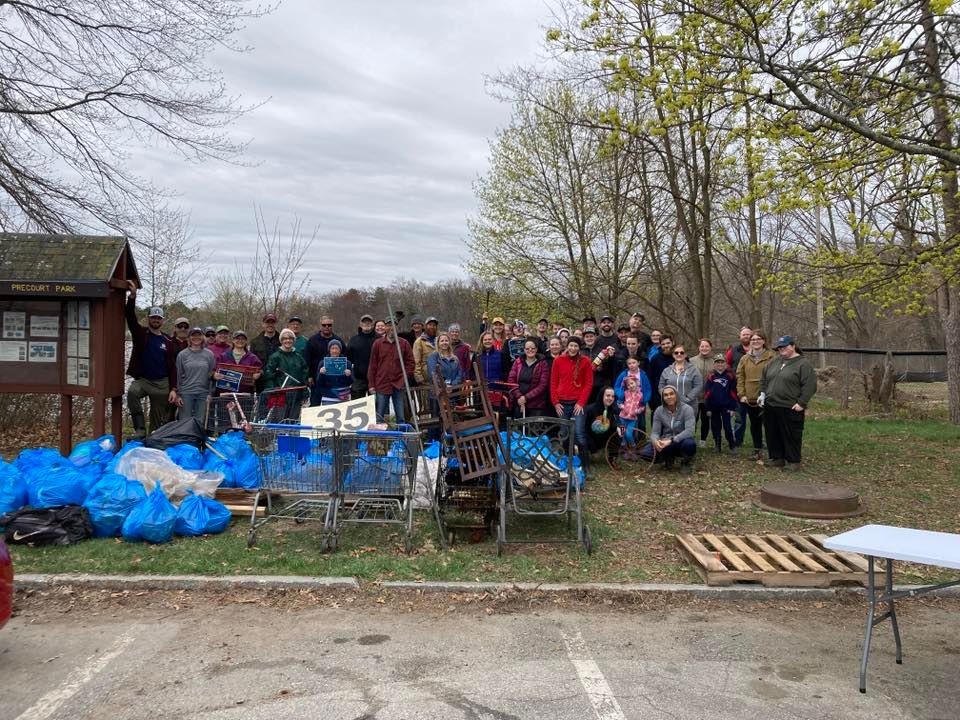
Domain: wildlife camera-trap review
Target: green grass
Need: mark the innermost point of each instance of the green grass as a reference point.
(906, 471)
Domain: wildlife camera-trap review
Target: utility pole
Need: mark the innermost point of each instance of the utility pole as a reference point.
(821, 356)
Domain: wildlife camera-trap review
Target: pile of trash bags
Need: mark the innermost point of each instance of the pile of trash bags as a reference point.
(146, 491)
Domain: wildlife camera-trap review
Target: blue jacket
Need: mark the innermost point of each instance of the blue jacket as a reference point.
(720, 391)
(644, 387)
(450, 369)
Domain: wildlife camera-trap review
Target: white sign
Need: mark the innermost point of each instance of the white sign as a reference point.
(45, 352)
(45, 325)
(71, 315)
(83, 343)
(14, 325)
(83, 371)
(13, 351)
(71, 371)
(351, 416)
(83, 316)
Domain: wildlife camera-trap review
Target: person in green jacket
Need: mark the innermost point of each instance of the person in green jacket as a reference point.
(286, 368)
(787, 385)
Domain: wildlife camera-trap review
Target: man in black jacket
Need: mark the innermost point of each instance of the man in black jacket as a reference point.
(266, 343)
(358, 352)
(151, 367)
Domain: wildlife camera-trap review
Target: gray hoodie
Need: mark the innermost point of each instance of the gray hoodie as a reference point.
(689, 383)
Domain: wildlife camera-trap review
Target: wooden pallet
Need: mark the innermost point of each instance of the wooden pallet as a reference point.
(240, 502)
(773, 560)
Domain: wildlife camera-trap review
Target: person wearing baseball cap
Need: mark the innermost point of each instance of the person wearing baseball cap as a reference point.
(222, 342)
(195, 366)
(720, 401)
(358, 352)
(151, 367)
(239, 354)
(295, 323)
(415, 331)
(787, 385)
(607, 337)
(266, 343)
(498, 329)
(181, 329)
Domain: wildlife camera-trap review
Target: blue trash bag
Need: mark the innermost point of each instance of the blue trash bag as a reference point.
(152, 519)
(94, 452)
(432, 451)
(127, 447)
(36, 459)
(186, 456)
(109, 502)
(373, 475)
(200, 515)
(241, 468)
(13, 489)
(56, 485)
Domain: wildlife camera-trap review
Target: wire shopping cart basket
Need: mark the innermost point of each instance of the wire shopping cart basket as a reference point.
(299, 463)
(228, 412)
(542, 480)
(280, 405)
(376, 479)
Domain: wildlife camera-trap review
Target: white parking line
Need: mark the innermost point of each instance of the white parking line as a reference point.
(604, 702)
(51, 702)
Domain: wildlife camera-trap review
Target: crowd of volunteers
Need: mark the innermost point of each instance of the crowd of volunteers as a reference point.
(606, 378)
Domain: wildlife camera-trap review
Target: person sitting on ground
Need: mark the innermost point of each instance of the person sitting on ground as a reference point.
(531, 375)
(643, 387)
(240, 354)
(571, 381)
(195, 367)
(602, 419)
(749, 372)
(328, 385)
(683, 376)
(632, 414)
(672, 434)
(423, 347)
(720, 401)
(287, 368)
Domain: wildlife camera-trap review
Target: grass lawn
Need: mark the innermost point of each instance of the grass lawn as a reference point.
(908, 472)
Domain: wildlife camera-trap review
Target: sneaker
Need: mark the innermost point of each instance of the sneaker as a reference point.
(703, 443)
(685, 467)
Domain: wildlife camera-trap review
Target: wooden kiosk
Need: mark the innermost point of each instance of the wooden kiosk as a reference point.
(62, 308)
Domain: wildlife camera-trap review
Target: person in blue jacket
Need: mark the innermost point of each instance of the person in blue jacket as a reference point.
(720, 401)
(326, 385)
(445, 363)
(633, 369)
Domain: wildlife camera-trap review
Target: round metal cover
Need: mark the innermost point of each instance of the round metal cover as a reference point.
(821, 501)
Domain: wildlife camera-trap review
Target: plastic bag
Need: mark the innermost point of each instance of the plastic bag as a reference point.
(50, 526)
(239, 464)
(13, 488)
(127, 447)
(110, 501)
(187, 431)
(60, 484)
(186, 456)
(152, 519)
(201, 516)
(37, 458)
(150, 467)
(99, 451)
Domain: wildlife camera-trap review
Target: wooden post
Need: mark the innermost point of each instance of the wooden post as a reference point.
(116, 418)
(66, 424)
(99, 416)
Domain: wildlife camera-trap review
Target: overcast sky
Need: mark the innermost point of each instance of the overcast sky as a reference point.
(377, 125)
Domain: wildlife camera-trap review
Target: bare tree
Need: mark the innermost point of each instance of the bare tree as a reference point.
(275, 275)
(82, 81)
(168, 255)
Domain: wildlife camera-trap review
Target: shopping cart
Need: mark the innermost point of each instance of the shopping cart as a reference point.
(541, 481)
(376, 479)
(299, 463)
(280, 405)
(228, 412)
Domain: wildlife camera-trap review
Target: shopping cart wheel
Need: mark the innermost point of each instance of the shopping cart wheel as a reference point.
(251, 538)
(587, 540)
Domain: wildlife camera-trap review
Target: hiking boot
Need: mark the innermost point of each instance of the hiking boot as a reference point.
(792, 467)
(733, 449)
(139, 426)
(779, 462)
(668, 463)
(686, 467)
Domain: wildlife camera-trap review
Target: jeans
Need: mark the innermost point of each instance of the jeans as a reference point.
(685, 449)
(383, 405)
(740, 428)
(194, 406)
(630, 430)
(579, 431)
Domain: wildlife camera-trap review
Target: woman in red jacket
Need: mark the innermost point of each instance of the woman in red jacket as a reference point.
(571, 381)
(531, 375)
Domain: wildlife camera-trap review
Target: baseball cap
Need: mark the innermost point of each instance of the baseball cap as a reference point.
(209, 330)
(574, 338)
(222, 328)
(543, 320)
(607, 317)
(366, 316)
(181, 321)
(590, 329)
(240, 333)
(719, 357)
(497, 320)
(269, 317)
(432, 319)
(416, 319)
(196, 331)
(785, 340)
(294, 318)
(155, 312)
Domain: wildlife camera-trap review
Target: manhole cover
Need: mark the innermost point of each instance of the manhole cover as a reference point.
(821, 501)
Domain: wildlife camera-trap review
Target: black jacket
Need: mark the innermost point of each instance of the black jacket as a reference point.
(358, 352)
(317, 350)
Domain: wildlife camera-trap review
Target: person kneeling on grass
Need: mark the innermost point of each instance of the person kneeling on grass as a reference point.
(672, 434)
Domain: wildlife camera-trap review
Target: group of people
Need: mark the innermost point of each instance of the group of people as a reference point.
(605, 380)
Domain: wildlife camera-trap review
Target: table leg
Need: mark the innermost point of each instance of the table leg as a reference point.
(893, 611)
(871, 608)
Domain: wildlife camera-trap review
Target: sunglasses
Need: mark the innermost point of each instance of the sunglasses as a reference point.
(211, 335)
(679, 352)
(326, 324)
(182, 326)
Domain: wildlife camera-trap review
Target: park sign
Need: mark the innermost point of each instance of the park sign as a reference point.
(62, 312)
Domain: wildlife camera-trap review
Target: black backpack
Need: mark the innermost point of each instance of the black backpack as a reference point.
(63, 525)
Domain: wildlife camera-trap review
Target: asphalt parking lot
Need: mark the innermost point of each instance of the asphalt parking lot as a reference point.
(239, 660)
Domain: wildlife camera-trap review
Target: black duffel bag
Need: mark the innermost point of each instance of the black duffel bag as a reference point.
(63, 525)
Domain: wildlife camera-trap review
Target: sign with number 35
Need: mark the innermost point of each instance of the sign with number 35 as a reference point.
(348, 416)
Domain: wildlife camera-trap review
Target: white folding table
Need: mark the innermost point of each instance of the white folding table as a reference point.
(895, 543)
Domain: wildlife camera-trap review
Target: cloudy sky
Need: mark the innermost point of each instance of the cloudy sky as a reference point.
(376, 126)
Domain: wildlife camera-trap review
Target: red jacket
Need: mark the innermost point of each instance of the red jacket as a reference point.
(537, 395)
(384, 374)
(571, 380)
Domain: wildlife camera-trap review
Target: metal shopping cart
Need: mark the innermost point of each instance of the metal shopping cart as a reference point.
(541, 481)
(299, 463)
(376, 479)
(228, 412)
